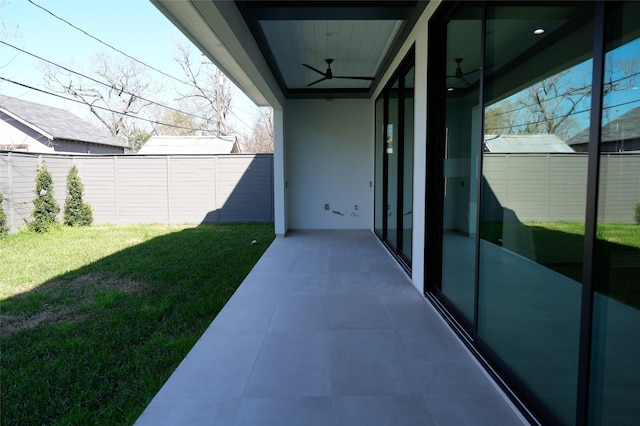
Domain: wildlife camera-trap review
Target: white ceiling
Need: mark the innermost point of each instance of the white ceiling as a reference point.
(262, 44)
(357, 47)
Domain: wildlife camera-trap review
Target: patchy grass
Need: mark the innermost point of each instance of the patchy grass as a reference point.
(94, 320)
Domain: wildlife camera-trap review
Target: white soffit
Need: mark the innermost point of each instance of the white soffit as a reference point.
(194, 20)
(356, 46)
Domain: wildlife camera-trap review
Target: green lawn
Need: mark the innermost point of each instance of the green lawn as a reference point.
(560, 246)
(94, 320)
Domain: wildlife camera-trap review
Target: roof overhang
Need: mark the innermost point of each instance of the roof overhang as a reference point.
(26, 123)
(262, 45)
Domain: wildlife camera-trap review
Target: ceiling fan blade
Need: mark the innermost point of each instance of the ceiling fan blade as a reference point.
(356, 78)
(471, 72)
(477, 69)
(317, 81)
(315, 69)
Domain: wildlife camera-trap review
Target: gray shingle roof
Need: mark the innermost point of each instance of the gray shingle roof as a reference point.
(627, 126)
(56, 122)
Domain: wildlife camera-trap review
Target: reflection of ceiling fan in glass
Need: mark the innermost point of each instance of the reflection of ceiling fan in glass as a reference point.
(460, 74)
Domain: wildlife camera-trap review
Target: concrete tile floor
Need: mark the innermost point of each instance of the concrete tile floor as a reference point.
(328, 330)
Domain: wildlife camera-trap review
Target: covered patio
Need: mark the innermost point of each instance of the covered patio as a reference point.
(327, 329)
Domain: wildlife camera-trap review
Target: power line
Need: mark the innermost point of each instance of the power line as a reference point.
(100, 82)
(111, 110)
(107, 44)
(97, 106)
(560, 116)
(239, 119)
(568, 93)
(190, 84)
(187, 83)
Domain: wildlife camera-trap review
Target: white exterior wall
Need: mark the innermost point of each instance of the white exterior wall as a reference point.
(281, 221)
(11, 135)
(418, 37)
(329, 160)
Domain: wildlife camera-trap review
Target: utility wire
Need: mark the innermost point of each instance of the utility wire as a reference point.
(99, 107)
(107, 44)
(110, 86)
(561, 116)
(190, 84)
(568, 93)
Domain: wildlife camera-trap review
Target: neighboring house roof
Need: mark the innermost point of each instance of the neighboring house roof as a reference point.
(191, 145)
(56, 123)
(525, 143)
(625, 127)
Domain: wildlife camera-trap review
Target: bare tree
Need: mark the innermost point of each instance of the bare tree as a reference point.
(208, 93)
(172, 122)
(554, 105)
(115, 97)
(498, 118)
(261, 140)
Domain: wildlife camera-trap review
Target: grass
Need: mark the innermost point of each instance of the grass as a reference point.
(560, 247)
(94, 320)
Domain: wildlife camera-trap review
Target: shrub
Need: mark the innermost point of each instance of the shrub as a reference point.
(45, 206)
(637, 215)
(4, 228)
(76, 211)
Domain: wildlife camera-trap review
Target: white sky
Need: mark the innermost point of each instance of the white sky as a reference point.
(135, 27)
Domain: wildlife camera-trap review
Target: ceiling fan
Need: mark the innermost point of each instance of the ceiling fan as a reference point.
(459, 74)
(328, 75)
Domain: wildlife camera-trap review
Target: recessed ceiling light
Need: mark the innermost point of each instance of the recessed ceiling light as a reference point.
(450, 89)
(538, 31)
(331, 34)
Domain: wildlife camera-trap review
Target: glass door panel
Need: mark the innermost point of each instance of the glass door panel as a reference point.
(379, 209)
(407, 167)
(537, 96)
(460, 158)
(393, 162)
(615, 376)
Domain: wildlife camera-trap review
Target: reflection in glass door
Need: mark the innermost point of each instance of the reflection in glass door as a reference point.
(391, 149)
(537, 106)
(379, 201)
(534, 197)
(407, 166)
(615, 376)
(460, 161)
(394, 163)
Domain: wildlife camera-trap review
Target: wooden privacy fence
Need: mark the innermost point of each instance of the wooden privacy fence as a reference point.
(148, 189)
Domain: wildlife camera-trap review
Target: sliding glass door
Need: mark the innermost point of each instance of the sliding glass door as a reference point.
(460, 162)
(394, 163)
(533, 186)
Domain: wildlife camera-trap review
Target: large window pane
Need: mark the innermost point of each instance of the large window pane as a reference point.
(615, 378)
(462, 120)
(391, 151)
(407, 167)
(379, 173)
(536, 102)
